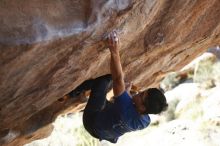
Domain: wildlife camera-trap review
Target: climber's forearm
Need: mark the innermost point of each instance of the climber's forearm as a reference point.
(117, 74)
(115, 66)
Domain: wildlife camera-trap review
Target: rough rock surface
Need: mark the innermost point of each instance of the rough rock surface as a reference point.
(49, 47)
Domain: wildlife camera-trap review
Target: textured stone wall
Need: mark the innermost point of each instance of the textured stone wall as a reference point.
(47, 48)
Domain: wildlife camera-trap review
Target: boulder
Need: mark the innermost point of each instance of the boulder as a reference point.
(50, 47)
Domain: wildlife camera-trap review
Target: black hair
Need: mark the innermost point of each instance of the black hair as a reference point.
(155, 102)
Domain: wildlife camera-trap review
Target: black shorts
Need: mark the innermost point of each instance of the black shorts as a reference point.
(96, 102)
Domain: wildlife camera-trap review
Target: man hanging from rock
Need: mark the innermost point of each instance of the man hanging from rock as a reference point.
(107, 120)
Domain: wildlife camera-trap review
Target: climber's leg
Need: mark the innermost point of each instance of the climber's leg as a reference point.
(96, 101)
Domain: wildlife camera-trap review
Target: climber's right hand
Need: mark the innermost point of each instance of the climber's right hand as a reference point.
(113, 41)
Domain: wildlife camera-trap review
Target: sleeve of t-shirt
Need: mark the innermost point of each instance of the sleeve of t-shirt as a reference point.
(128, 112)
(123, 101)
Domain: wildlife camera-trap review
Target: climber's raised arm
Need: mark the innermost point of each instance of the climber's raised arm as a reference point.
(115, 64)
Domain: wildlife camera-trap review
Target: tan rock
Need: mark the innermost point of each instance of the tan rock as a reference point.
(49, 47)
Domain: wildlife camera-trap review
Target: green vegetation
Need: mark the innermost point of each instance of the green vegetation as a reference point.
(193, 110)
(170, 81)
(204, 73)
(216, 72)
(81, 136)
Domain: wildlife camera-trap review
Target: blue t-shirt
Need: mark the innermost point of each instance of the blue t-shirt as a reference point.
(118, 118)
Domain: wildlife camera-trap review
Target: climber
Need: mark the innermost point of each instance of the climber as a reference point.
(107, 120)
